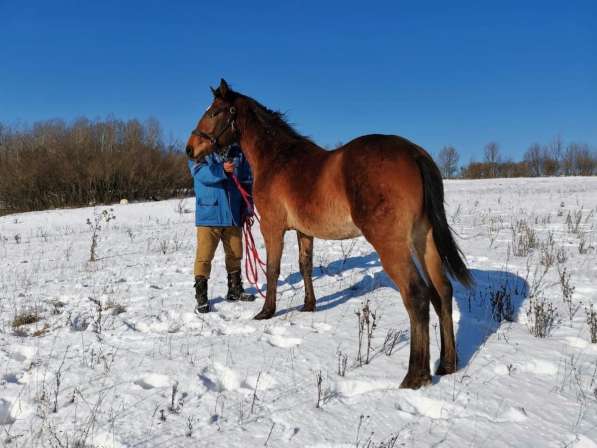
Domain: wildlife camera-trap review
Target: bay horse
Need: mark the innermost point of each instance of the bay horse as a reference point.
(382, 187)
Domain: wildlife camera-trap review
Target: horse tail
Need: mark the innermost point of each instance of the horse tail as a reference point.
(433, 198)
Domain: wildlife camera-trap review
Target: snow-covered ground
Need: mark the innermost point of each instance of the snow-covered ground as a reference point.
(117, 337)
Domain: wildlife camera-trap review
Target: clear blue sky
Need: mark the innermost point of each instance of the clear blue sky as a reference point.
(437, 73)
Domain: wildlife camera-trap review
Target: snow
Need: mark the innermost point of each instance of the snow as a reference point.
(111, 375)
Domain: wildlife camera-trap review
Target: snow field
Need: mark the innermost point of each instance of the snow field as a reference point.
(119, 359)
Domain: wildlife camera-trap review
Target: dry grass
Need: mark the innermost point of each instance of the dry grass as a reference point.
(26, 317)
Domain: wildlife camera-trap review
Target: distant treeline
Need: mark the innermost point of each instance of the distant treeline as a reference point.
(553, 159)
(57, 164)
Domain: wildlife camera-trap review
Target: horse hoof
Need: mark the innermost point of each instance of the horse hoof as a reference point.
(415, 381)
(445, 369)
(308, 308)
(264, 314)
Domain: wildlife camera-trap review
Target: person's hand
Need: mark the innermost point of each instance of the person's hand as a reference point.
(229, 167)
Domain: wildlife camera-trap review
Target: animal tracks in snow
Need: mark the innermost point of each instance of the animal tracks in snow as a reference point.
(275, 336)
(536, 366)
(283, 341)
(220, 378)
(12, 409)
(22, 353)
(153, 380)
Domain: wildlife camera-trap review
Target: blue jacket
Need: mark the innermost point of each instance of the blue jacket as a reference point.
(218, 201)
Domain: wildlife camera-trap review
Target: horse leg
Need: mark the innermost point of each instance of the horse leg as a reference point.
(398, 263)
(442, 302)
(274, 243)
(306, 266)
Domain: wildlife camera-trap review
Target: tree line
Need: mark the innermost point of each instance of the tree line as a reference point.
(553, 159)
(57, 164)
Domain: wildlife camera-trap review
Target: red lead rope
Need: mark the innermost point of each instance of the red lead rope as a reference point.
(253, 261)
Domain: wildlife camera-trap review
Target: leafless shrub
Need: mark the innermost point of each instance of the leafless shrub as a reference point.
(55, 164)
(347, 248)
(584, 245)
(534, 277)
(95, 226)
(254, 399)
(455, 218)
(164, 245)
(592, 323)
(176, 405)
(548, 251)
(561, 256)
(177, 242)
(43, 234)
(573, 221)
(567, 292)
(25, 317)
(543, 220)
(68, 251)
(500, 299)
(98, 320)
(130, 233)
(181, 207)
(393, 337)
(542, 316)
(390, 442)
(524, 238)
(342, 363)
(366, 325)
(318, 384)
(189, 431)
(496, 224)
(59, 381)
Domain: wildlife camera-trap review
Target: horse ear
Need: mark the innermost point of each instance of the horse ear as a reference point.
(214, 92)
(224, 89)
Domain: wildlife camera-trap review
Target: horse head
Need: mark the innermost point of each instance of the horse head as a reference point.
(217, 128)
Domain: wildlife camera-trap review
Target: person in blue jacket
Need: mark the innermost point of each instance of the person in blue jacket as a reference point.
(219, 217)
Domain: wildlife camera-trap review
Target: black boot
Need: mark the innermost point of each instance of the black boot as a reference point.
(236, 290)
(201, 295)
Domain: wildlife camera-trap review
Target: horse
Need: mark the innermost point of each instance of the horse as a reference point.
(382, 187)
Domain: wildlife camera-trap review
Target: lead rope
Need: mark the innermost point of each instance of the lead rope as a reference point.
(253, 261)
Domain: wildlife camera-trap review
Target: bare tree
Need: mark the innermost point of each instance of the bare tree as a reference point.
(534, 159)
(492, 157)
(556, 148)
(578, 160)
(448, 161)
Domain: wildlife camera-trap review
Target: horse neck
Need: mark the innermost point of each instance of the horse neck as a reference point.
(262, 148)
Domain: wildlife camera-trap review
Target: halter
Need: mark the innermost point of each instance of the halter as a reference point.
(214, 138)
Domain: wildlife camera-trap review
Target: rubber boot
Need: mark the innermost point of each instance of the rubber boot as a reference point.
(201, 295)
(235, 289)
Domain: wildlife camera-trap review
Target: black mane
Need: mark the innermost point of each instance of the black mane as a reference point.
(275, 122)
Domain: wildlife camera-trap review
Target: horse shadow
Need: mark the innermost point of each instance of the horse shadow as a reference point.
(477, 319)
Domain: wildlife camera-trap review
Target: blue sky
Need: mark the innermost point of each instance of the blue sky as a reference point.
(444, 73)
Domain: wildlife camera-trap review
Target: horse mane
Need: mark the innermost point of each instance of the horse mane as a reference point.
(274, 122)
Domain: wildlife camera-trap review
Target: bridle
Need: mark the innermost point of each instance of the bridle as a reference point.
(230, 123)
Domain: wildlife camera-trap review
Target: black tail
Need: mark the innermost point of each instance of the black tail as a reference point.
(433, 190)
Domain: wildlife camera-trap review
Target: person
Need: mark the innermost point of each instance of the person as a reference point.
(219, 217)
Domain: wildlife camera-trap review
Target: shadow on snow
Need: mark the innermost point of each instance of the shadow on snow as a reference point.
(476, 323)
